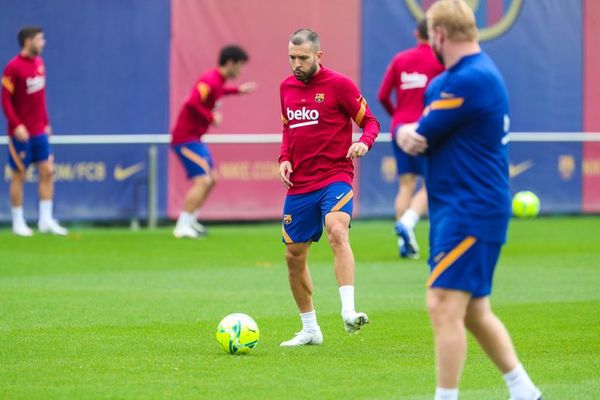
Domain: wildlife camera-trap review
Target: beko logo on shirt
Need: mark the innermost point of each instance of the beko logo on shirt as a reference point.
(304, 117)
(413, 80)
(35, 84)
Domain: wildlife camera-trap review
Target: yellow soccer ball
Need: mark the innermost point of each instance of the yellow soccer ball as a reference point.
(525, 205)
(237, 333)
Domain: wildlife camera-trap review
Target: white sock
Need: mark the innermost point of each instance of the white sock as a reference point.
(409, 219)
(446, 394)
(309, 321)
(519, 384)
(347, 297)
(45, 210)
(185, 219)
(17, 215)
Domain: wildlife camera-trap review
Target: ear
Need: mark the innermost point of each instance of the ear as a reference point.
(319, 55)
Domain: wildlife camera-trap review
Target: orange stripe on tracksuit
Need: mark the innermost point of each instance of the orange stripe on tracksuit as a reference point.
(196, 159)
(450, 258)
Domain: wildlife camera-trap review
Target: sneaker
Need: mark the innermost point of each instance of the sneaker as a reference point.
(354, 321)
(182, 231)
(304, 338)
(407, 242)
(22, 230)
(52, 226)
(198, 227)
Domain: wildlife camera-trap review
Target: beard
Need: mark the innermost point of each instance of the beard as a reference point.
(305, 76)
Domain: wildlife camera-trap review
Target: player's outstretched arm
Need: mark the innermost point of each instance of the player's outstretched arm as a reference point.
(247, 87)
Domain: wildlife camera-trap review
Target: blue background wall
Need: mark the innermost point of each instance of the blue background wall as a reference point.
(540, 57)
(107, 62)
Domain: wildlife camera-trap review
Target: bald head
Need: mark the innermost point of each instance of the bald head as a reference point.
(305, 35)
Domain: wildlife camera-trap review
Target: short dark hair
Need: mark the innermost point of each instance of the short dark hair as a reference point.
(28, 32)
(422, 29)
(304, 35)
(234, 53)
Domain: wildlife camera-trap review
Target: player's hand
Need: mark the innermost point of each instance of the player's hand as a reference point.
(48, 130)
(21, 133)
(285, 172)
(217, 118)
(410, 141)
(247, 87)
(357, 150)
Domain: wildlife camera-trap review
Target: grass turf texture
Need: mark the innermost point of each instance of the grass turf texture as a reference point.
(119, 314)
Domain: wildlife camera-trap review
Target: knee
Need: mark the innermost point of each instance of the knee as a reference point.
(435, 306)
(294, 258)
(337, 235)
(212, 181)
(441, 312)
(46, 172)
(18, 176)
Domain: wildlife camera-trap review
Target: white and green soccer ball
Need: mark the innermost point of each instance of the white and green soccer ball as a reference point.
(237, 333)
(525, 205)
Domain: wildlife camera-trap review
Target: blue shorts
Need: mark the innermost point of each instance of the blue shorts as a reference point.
(405, 163)
(195, 157)
(34, 150)
(463, 263)
(304, 214)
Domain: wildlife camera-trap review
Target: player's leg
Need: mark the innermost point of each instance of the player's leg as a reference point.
(494, 339)
(337, 207)
(405, 224)
(41, 155)
(197, 161)
(406, 187)
(447, 309)
(19, 158)
(301, 226)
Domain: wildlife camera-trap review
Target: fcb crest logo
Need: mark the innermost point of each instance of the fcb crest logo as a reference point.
(320, 97)
(494, 17)
(287, 219)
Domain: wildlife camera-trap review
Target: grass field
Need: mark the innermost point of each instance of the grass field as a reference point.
(118, 314)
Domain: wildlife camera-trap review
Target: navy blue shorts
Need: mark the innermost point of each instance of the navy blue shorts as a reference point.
(22, 154)
(463, 263)
(405, 163)
(304, 214)
(195, 158)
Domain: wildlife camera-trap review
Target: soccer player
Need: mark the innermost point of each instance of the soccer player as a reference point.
(24, 105)
(464, 135)
(408, 74)
(318, 106)
(195, 117)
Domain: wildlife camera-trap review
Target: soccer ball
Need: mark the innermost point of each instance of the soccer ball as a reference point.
(237, 333)
(525, 205)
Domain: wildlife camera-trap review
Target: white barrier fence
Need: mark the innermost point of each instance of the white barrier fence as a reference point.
(267, 138)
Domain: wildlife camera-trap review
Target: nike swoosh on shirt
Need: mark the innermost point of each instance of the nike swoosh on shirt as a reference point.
(340, 196)
(121, 173)
(515, 170)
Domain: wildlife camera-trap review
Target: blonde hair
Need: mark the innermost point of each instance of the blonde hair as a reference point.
(456, 17)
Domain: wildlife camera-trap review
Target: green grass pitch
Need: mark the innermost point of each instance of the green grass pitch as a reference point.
(118, 314)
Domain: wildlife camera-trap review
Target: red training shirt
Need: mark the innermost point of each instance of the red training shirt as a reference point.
(408, 74)
(24, 95)
(317, 128)
(196, 114)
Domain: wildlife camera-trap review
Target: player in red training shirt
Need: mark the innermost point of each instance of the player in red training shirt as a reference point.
(317, 109)
(408, 74)
(194, 119)
(24, 105)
